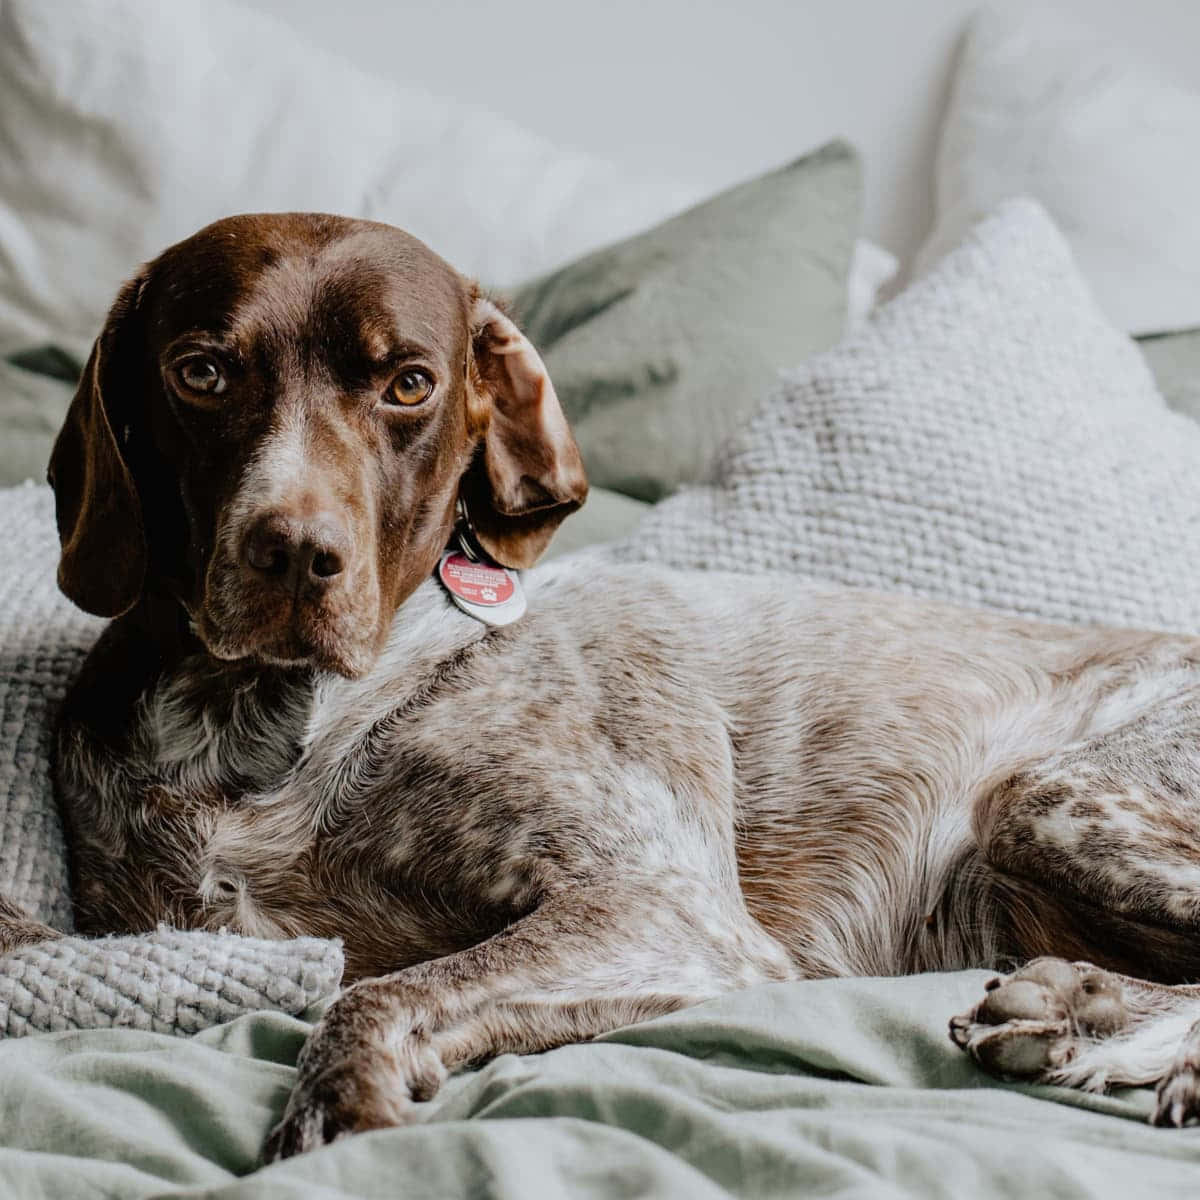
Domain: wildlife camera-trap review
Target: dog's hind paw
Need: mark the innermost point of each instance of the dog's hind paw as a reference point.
(1032, 1022)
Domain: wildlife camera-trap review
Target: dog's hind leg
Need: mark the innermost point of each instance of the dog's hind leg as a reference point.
(1097, 847)
(1097, 851)
(1179, 1089)
(1078, 1025)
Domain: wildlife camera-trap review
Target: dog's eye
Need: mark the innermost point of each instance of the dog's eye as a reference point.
(409, 387)
(201, 374)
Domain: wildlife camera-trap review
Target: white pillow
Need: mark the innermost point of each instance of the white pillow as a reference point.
(128, 124)
(1109, 146)
(988, 438)
(872, 268)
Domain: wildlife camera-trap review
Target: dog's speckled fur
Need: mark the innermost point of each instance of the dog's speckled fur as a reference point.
(654, 788)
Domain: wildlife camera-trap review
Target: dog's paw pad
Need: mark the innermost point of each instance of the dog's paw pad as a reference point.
(1030, 1023)
(1017, 1048)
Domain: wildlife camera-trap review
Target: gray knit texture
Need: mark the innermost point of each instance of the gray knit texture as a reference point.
(170, 981)
(43, 640)
(988, 438)
(167, 981)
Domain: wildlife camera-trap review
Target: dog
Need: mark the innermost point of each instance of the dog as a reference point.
(652, 788)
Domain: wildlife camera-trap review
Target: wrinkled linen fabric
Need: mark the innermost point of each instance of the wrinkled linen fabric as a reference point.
(839, 1088)
(1043, 105)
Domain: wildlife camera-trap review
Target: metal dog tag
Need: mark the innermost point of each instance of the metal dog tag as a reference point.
(488, 592)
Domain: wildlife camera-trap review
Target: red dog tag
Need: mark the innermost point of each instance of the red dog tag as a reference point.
(489, 592)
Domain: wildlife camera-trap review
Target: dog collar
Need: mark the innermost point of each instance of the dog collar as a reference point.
(479, 586)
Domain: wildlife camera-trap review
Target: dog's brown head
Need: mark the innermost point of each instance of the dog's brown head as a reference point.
(275, 426)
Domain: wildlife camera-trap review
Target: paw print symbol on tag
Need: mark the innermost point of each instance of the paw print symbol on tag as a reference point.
(489, 595)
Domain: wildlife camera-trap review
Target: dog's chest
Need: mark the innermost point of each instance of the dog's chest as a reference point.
(318, 818)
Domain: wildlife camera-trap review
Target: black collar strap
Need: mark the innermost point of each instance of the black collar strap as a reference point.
(463, 538)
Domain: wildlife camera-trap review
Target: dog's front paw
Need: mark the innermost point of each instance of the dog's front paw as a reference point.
(1031, 1022)
(339, 1101)
(368, 1064)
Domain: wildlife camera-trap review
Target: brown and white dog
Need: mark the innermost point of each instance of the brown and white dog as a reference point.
(653, 788)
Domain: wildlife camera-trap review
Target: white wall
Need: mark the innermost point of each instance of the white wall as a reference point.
(713, 90)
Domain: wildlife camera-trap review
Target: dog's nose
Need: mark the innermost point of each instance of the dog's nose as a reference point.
(295, 552)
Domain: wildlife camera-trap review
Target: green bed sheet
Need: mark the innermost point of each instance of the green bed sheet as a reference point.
(838, 1088)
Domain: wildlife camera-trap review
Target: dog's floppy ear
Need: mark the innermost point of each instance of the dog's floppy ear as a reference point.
(103, 562)
(527, 475)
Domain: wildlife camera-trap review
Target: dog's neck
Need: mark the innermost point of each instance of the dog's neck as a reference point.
(426, 632)
(273, 713)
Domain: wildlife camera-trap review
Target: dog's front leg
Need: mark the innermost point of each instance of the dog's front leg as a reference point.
(579, 965)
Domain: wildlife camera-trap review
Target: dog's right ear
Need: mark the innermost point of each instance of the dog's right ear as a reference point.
(103, 563)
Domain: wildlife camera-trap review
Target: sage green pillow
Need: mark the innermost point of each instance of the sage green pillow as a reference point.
(35, 390)
(660, 345)
(1174, 358)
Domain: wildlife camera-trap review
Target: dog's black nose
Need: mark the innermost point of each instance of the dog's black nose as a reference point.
(295, 552)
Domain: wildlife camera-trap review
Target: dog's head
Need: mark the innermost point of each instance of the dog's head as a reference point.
(276, 425)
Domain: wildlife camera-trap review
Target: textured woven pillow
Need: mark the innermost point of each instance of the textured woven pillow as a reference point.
(987, 438)
(170, 981)
(165, 981)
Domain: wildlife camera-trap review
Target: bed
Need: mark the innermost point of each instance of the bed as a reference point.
(846, 1088)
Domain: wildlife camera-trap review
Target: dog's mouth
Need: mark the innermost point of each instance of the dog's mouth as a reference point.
(292, 647)
(291, 632)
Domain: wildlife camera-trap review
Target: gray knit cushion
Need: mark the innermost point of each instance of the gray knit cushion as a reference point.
(166, 981)
(43, 639)
(988, 438)
(169, 981)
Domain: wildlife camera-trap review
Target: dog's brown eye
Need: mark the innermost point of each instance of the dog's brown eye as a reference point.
(202, 375)
(409, 387)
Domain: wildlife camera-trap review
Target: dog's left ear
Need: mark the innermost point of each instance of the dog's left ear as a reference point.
(527, 475)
